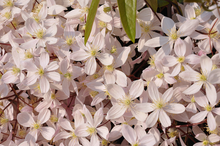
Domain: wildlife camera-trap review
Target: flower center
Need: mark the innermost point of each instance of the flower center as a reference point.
(198, 11)
(28, 55)
(93, 52)
(193, 99)
(181, 59)
(113, 50)
(41, 71)
(73, 135)
(7, 15)
(202, 78)
(173, 34)
(205, 142)
(208, 108)
(105, 142)
(53, 96)
(109, 68)
(3, 121)
(68, 75)
(36, 126)
(160, 75)
(102, 24)
(136, 144)
(70, 40)
(159, 104)
(22, 133)
(93, 93)
(8, 3)
(106, 9)
(15, 70)
(91, 130)
(40, 34)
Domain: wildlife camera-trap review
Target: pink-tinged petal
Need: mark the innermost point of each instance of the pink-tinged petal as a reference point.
(74, 141)
(79, 55)
(61, 135)
(90, 66)
(98, 41)
(140, 116)
(153, 92)
(201, 136)
(52, 66)
(211, 93)
(193, 88)
(180, 47)
(167, 24)
(122, 57)
(121, 78)
(115, 91)
(181, 141)
(201, 99)
(147, 140)
(128, 133)
(169, 61)
(56, 9)
(80, 42)
(157, 41)
(136, 88)
(51, 31)
(174, 108)
(32, 135)
(167, 95)
(83, 3)
(43, 116)
(145, 107)
(55, 76)
(164, 118)
(190, 75)
(188, 27)
(28, 81)
(97, 86)
(30, 44)
(47, 132)
(211, 121)
(152, 118)
(206, 64)
(189, 12)
(78, 119)
(9, 77)
(216, 111)
(32, 26)
(44, 59)
(81, 131)
(98, 98)
(198, 117)
(98, 117)
(116, 111)
(109, 78)
(192, 59)
(43, 11)
(76, 72)
(169, 79)
(103, 132)
(213, 138)
(73, 14)
(88, 116)
(65, 86)
(21, 2)
(214, 76)
(176, 70)
(44, 84)
(25, 119)
(29, 65)
(94, 140)
(105, 58)
(145, 14)
(65, 124)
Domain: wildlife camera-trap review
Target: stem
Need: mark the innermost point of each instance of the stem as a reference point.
(177, 7)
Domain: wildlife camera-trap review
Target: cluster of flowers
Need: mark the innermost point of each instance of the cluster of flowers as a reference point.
(57, 91)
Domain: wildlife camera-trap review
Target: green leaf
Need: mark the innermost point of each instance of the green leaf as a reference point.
(127, 10)
(162, 3)
(153, 4)
(90, 18)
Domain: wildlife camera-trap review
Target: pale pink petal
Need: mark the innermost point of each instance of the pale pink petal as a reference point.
(167, 24)
(98, 117)
(213, 138)
(78, 119)
(32, 135)
(76, 72)
(103, 132)
(211, 121)
(81, 131)
(189, 12)
(25, 119)
(140, 116)
(43, 116)
(73, 14)
(193, 88)
(98, 41)
(190, 75)
(136, 88)
(214, 76)
(9, 77)
(115, 91)
(51, 31)
(97, 86)
(65, 86)
(145, 14)
(29, 44)
(98, 98)
(180, 47)
(211, 93)
(44, 84)
(152, 118)
(65, 124)
(188, 27)
(116, 111)
(164, 118)
(153, 92)
(47, 132)
(109, 77)
(122, 57)
(61, 135)
(157, 41)
(201, 136)
(206, 64)
(169, 61)
(145, 107)
(88, 116)
(44, 59)
(198, 117)
(167, 95)
(29, 65)
(147, 140)
(128, 133)
(174, 108)
(79, 55)
(105, 58)
(94, 140)
(90, 66)
(55, 76)
(52, 66)
(56, 9)
(121, 78)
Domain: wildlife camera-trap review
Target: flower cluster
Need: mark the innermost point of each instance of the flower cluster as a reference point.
(57, 90)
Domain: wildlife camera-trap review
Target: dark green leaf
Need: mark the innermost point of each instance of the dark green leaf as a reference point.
(91, 16)
(127, 10)
(153, 4)
(190, 1)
